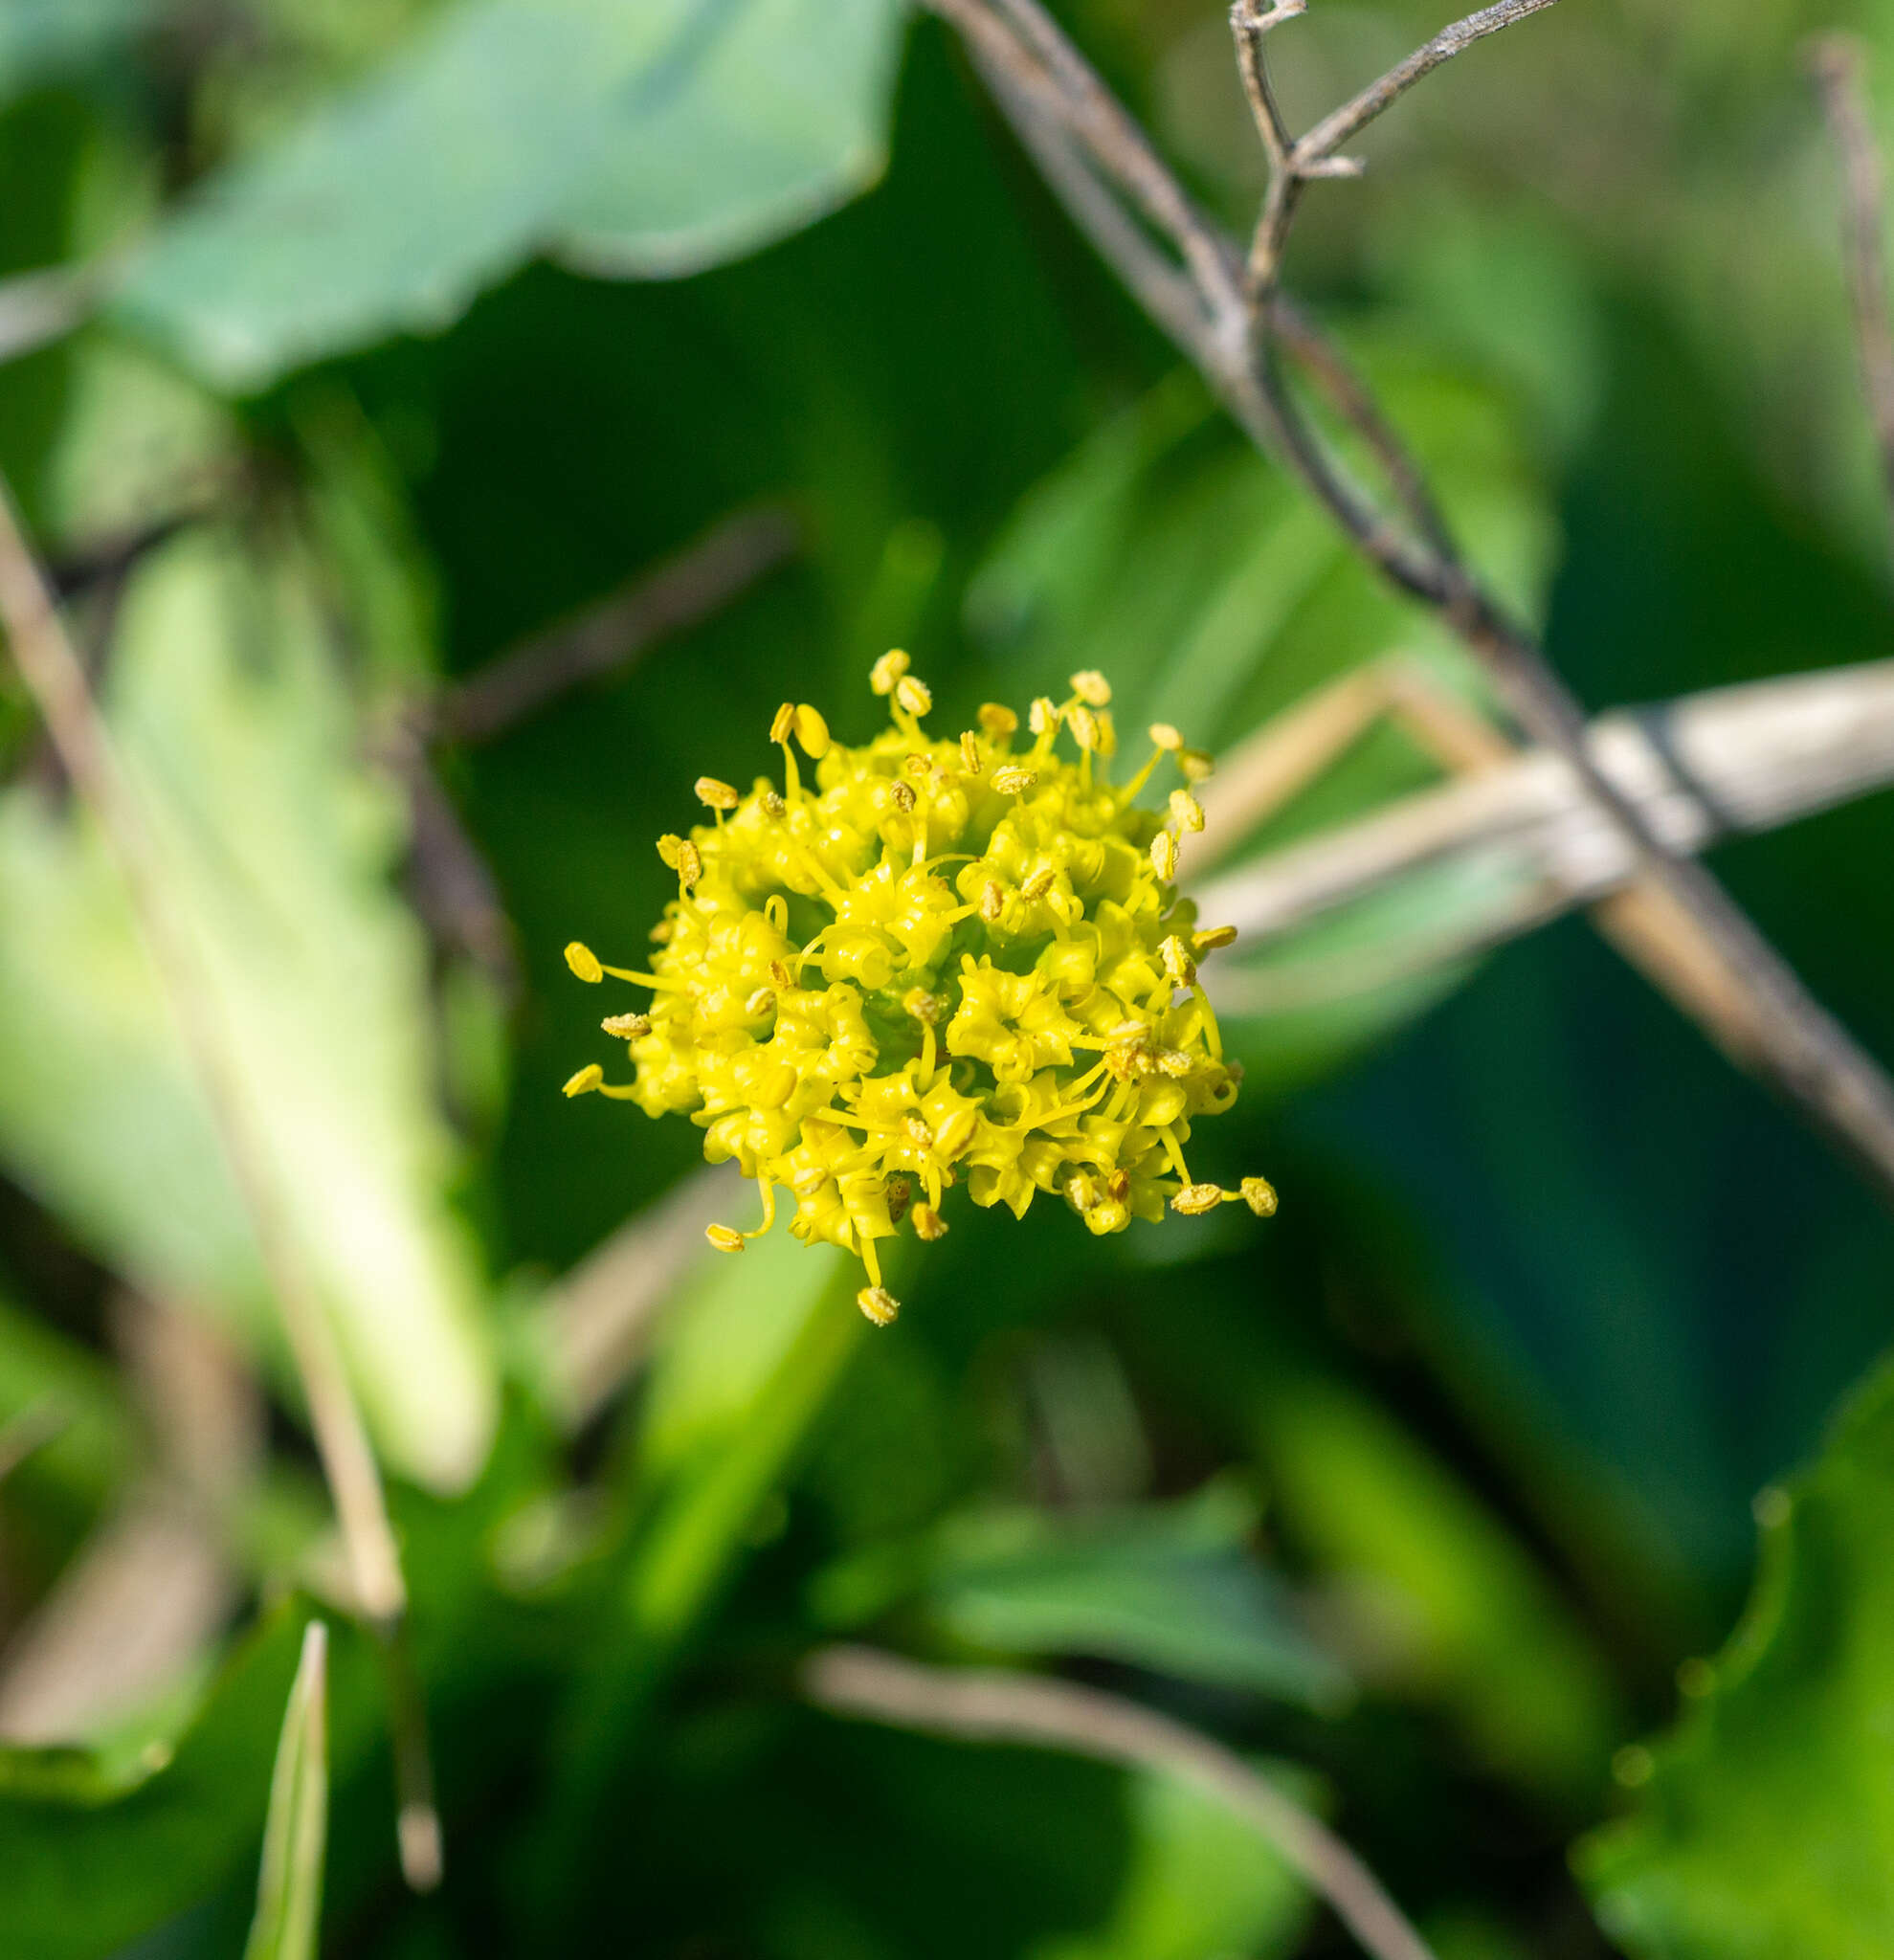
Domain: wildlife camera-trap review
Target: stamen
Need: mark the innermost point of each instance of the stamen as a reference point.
(1014, 781)
(887, 670)
(584, 963)
(724, 1238)
(1195, 1200)
(1259, 1196)
(879, 1304)
(585, 1081)
(997, 721)
(1186, 812)
(1092, 687)
(969, 752)
(928, 1224)
(1212, 937)
(717, 795)
(1164, 855)
(913, 694)
(627, 1027)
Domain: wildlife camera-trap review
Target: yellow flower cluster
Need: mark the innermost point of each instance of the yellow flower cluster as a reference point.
(944, 960)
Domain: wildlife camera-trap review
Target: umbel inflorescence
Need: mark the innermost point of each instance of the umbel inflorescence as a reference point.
(945, 961)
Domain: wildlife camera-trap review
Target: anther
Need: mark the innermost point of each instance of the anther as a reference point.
(716, 795)
(887, 670)
(1012, 780)
(1212, 937)
(917, 765)
(1176, 1063)
(1084, 727)
(1092, 688)
(670, 849)
(922, 1006)
(879, 1304)
(970, 751)
(724, 1238)
(627, 1027)
(913, 696)
(997, 721)
(773, 806)
(584, 962)
(1198, 765)
(781, 975)
(1118, 1186)
(1166, 737)
(661, 933)
(1195, 1200)
(1178, 966)
(586, 1080)
(1186, 812)
(760, 1002)
(993, 902)
(1259, 1196)
(779, 728)
(1083, 1193)
(1037, 885)
(1042, 717)
(928, 1224)
(918, 1132)
(812, 731)
(904, 797)
(690, 862)
(1164, 855)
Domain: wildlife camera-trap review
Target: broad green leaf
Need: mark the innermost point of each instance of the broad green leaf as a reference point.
(1201, 1882)
(277, 846)
(1763, 1824)
(646, 140)
(1168, 1586)
(289, 1887)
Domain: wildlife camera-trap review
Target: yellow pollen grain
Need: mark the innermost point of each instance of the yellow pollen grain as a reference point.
(1259, 1196)
(812, 731)
(723, 1237)
(1186, 812)
(879, 1304)
(1195, 1200)
(584, 962)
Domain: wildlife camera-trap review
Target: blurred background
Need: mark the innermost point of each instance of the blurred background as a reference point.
(453, 426)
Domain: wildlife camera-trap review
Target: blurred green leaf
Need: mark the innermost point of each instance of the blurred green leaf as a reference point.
(46, 1378)
(40, 39)
(277, 845)
(1764, 1826)
(289, 1887)
(1199, 1882)
(642, 141)
(1168, 1586)
(87, 1865)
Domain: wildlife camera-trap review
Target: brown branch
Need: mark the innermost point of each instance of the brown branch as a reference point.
(1838, 65)
(994, 1706)
(677, 595)
(1778, 1031)
(54, 677)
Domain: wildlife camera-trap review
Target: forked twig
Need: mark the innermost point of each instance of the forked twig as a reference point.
(54, 677)
(1744, 995)
(1837, 64)
(993, 1704)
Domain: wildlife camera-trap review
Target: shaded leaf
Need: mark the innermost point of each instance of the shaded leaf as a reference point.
(636, 141)
(1764, 1826)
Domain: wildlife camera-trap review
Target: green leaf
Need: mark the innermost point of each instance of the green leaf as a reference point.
(50, 1383)
(40, 39)
(88, 1864)
(1199, 1881)
(289, 1887)
(1764, 1826)
(634, 140)
(1168, 1586)
(277, 845)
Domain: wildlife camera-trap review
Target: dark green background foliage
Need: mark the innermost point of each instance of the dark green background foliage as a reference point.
(429, 325)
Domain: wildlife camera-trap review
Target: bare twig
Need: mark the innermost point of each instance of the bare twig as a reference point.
(680, 593)
(56, 677)
(994, 1706)
(1837, 64)
(1782, 1033)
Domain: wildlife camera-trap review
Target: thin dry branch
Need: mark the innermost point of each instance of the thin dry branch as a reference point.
(680, 593)
(994, 1705)
(54, 677)
(1839, 64)
(1756, 1010)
